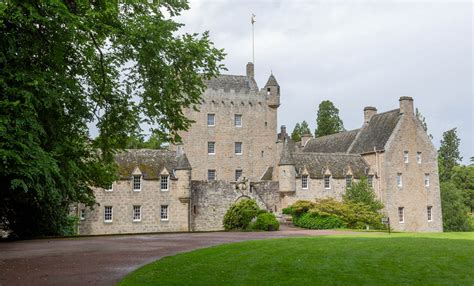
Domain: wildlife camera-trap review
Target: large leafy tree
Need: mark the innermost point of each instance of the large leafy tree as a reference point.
(300, 130)
(448, 154)
(67, 64)
(455, 212)
(328, 121)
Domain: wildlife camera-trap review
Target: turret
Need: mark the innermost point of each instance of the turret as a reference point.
(286, 170)
(183, 174)
(272, 89)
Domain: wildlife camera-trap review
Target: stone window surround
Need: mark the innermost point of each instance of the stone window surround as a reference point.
(304, 182)
(238, 148)
(82, 214)
(137, 183)
(164, 183)
(211, 148)
(211, 119)
(370, 180)
(327, 182)
(418, 157)
(427, 179)
(399, 180)
(429, 212)
(108, 214)
(238, 120)
(238, 174)
(405, 157)
(137, 213)
(211, 175)
(401, 214)
(164, 211)
(348, 181)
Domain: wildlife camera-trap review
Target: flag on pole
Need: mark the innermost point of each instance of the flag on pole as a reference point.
(252, 20)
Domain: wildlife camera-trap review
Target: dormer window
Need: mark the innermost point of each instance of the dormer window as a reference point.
(238, 120)
(304, 182)
(137, 183)
(327, 181)
(211, 119)
(164, 183)
(405, 156)
(348, 181)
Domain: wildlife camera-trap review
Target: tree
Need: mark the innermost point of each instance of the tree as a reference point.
(65, 64)
(138, 142)
(455, 212)
(423, 123)
(463, 179)
(448, 154)
(361, 192)
(328, 121)
(299, 131)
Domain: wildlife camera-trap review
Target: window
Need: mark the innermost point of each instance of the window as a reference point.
(429, 213)
(164, 212)
(238, 174)
(304, 181)
(427, 180)
(327, 182)
(211, 175)
(108, 214)
(137, 213)
(109, 188)
(399, 180)
(164, 180)
(83, 214)
(238, 120)
(348, 181)
(418, 157)
(137, 183)
(238, 148)
(370, 180)
(401, 214)
(211, 119)
(405, 156)
(211, 148)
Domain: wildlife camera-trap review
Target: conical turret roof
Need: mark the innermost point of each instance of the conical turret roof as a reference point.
(272, 81)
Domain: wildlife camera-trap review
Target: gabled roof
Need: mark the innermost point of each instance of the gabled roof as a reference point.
(334, 143)
(235, 82)
(150, 162)
(338, 164)
(272, 81)
(376, 133)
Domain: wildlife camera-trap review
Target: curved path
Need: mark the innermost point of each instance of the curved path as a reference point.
(104, 260)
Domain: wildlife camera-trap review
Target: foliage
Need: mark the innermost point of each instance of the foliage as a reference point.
(299, 131)
(455, 212)
(328, 121)
(330, 213)
(370, 259)
(423, 123)
(65, 65)
(138, 142)
(448, 154)
(266, 221)
(463, 179)
(361, 192)
(240, 214)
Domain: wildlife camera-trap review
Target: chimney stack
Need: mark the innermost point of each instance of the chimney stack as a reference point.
(406, 105)
(305, 138)
(250, 70)
(283, 133)
(369, 111)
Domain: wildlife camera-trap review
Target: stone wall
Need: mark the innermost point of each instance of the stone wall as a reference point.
(211, 200)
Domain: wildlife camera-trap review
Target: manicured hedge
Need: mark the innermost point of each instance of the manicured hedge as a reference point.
(266, 221)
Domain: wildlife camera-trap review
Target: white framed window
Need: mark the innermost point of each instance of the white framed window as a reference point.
(211, 119)
(348, 181)
(429, 213)
(164, 183)
(370, 180)
(304, 182)
(164, 212)
(399, 180)
(83, 214)
(238, 120)
(327, 181)
(108, 212)
(238, 148)
(427, 180)
(211, 148)
(137, 183)
(110, 188)
(405, 156)
(238, 174)
(211, 175)
(418, 157)
(401, 214)
(137, 213)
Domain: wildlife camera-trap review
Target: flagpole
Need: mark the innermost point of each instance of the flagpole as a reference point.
(252, 20)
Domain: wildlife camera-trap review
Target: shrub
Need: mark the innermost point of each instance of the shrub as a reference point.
(315, 221)
(266, 221)
(240, 214)
(361, 192)
(298, 208)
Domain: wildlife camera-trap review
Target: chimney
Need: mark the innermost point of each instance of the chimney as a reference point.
(406, 105)
(179, 150)
(250, 70)
(369, 111)
(305, 138)
(283, 133)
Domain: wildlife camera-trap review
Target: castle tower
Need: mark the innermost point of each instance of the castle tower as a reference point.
(272, 89)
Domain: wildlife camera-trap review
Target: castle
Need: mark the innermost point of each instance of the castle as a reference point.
(233, 151)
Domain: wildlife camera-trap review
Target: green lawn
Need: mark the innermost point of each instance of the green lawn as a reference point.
(367, 259)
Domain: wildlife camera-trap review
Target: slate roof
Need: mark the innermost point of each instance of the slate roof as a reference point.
(268, 175)
(235, 82)
(337, 163)
(286, 157)
(339, 142)
(376, 133)
(272, 81)
(150, 162)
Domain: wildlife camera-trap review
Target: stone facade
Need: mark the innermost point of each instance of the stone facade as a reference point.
(275, 171)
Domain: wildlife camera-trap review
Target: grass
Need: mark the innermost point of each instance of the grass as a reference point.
(371, 259)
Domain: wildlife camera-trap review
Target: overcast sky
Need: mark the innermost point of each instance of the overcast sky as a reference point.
(354, 53)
